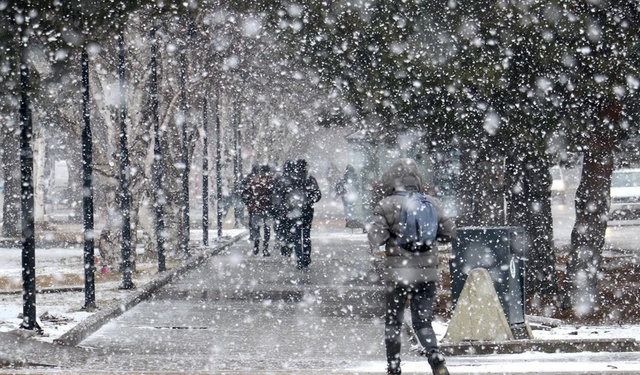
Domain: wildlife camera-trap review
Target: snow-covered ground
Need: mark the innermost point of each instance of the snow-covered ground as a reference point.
(525, 363)
(63, 311)
(62, 268)
(528, 362)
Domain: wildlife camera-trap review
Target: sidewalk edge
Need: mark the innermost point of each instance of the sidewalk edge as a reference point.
(623, 344)
(90, 325)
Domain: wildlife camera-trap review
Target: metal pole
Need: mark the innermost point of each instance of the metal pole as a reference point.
(218, 170)
(157, 155)
(87, 190)
(125, 199)
(26, 203)
(205, 176)
(185, 156)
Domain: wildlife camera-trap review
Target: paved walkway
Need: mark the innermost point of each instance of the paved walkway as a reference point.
(239, 313)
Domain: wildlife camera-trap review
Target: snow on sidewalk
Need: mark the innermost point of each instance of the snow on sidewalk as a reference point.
(62, 311)
(62, 268)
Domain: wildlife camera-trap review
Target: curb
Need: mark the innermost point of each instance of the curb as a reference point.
(90, 325)
(545, 346)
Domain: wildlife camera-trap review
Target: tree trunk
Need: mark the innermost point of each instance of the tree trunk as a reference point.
(489, 194)
(218, 169)
(480, 198)
(125, 173)
(529, 205)
(587, 237)
(465, 192)
(184, 153)
(158, 166)
(11, 172)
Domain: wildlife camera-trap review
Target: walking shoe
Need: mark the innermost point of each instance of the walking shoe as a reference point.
(301, 267)
(256, 251)
(286, 251)
(437, 362)
(266, 254)
(394, 368)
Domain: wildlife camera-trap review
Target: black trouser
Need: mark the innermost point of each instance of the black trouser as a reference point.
(282, 227)
(256, 222)
(299, 239)
(306, 235)
(421, 297)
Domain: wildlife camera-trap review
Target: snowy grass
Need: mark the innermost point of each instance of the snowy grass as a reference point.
(508, 364)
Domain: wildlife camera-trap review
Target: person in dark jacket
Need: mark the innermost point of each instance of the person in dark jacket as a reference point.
(301, 195)
(408, 275)
(282, 224)
(256, 194)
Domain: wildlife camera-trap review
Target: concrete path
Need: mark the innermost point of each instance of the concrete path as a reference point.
(239, 313)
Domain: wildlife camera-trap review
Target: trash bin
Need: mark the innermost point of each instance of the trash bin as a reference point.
(501, 250)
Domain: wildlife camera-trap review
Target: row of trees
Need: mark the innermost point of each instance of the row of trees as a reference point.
(510, 84)
(130, 106)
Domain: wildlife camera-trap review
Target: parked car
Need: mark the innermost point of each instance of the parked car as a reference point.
(558, 186)
(625, 194)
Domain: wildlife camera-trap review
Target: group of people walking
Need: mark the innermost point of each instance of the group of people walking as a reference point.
(284, 201)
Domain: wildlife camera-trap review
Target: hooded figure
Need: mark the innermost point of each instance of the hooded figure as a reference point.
(257, 196)
(282, 185)
(301, 195)
(407, 275)
(402, 266)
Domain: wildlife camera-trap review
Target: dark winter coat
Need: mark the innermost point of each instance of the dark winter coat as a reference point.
(402, 266)
(257, 194)
(313, 193)
(281, 186)
(300, 193)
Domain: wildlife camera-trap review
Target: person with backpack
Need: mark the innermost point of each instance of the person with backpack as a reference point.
(257, 193)
(302, 193)
(282, 225)
(408, 224)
